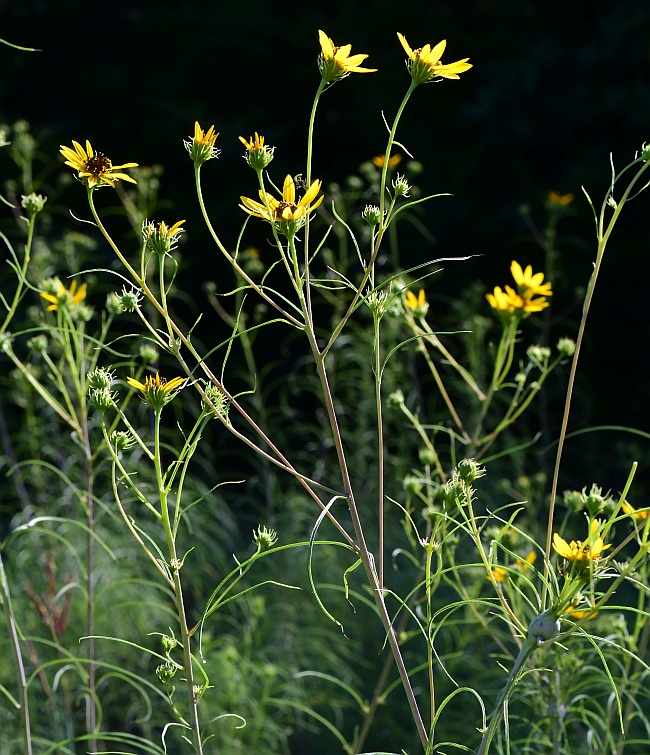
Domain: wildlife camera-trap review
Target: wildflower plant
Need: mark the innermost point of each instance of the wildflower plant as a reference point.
(398, 492)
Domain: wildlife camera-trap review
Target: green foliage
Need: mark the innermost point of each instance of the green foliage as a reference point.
(331, 528)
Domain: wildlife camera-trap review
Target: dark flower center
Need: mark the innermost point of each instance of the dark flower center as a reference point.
(98, 164)
(282, 206)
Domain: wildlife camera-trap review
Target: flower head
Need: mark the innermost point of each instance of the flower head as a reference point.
(579, 551)
(60, 296)
(157, 391)
(287, 214)
(511, 303)
(201, 146)
(33, 203)
(393, 160)
(559, 200)
(424, 63)
(529, 285)
(638, 515)
(417, 304)
(336, 63)
(159, 238)
(501, 575)
(258, 155)
(522, 302)
(94, 168)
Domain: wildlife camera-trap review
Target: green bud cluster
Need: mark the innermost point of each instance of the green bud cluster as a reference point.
(33, 203)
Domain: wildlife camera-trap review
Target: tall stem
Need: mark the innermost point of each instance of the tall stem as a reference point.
(603, 238)
(380, 451)
(18, 658)
(175, 567)
(362, 548)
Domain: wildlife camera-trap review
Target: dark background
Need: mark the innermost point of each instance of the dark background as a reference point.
(555, 87)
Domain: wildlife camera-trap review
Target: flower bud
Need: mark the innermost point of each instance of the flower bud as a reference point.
(6, 339)
(165, 672)
(121, 440)
(396, 399)
(372, 215)
(469, 470)
(101, 399)
(100, 378)
(264, 538)
(538, 354)
(33, 203)
(545, 626)
(219, 403)
(37, 344)
(401, 186)
(566, 347)
(148, 353)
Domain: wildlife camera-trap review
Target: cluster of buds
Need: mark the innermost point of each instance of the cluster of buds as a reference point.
(100, 395)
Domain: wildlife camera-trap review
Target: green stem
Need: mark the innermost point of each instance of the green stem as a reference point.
(310, 147)
(175, 567)
(383, 225)
(527, 648)
(383, 222)
(603, 238)
(380, 450)
(21, 276)
(361, 545)
(18, 659)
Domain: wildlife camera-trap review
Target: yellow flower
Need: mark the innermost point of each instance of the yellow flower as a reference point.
(424, 63)
(640, 515)
(94, 168)
(66, 297)
(577, 614)
(336, 62)
(580, 551)
(157, 391)
(393, 160)
(510, 302)
(159, 238)
(201, 146)
(258, 156)
(501, 575)
(418, 304)
(253, 144)
(559, 199)
(529, 284)
(287, 214)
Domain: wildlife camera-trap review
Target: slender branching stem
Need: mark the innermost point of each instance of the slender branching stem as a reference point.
(14, 643)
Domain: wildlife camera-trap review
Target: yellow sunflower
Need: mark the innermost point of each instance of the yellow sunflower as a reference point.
(94, 168)
(336, 62)
(287, 214)
(424, 63)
